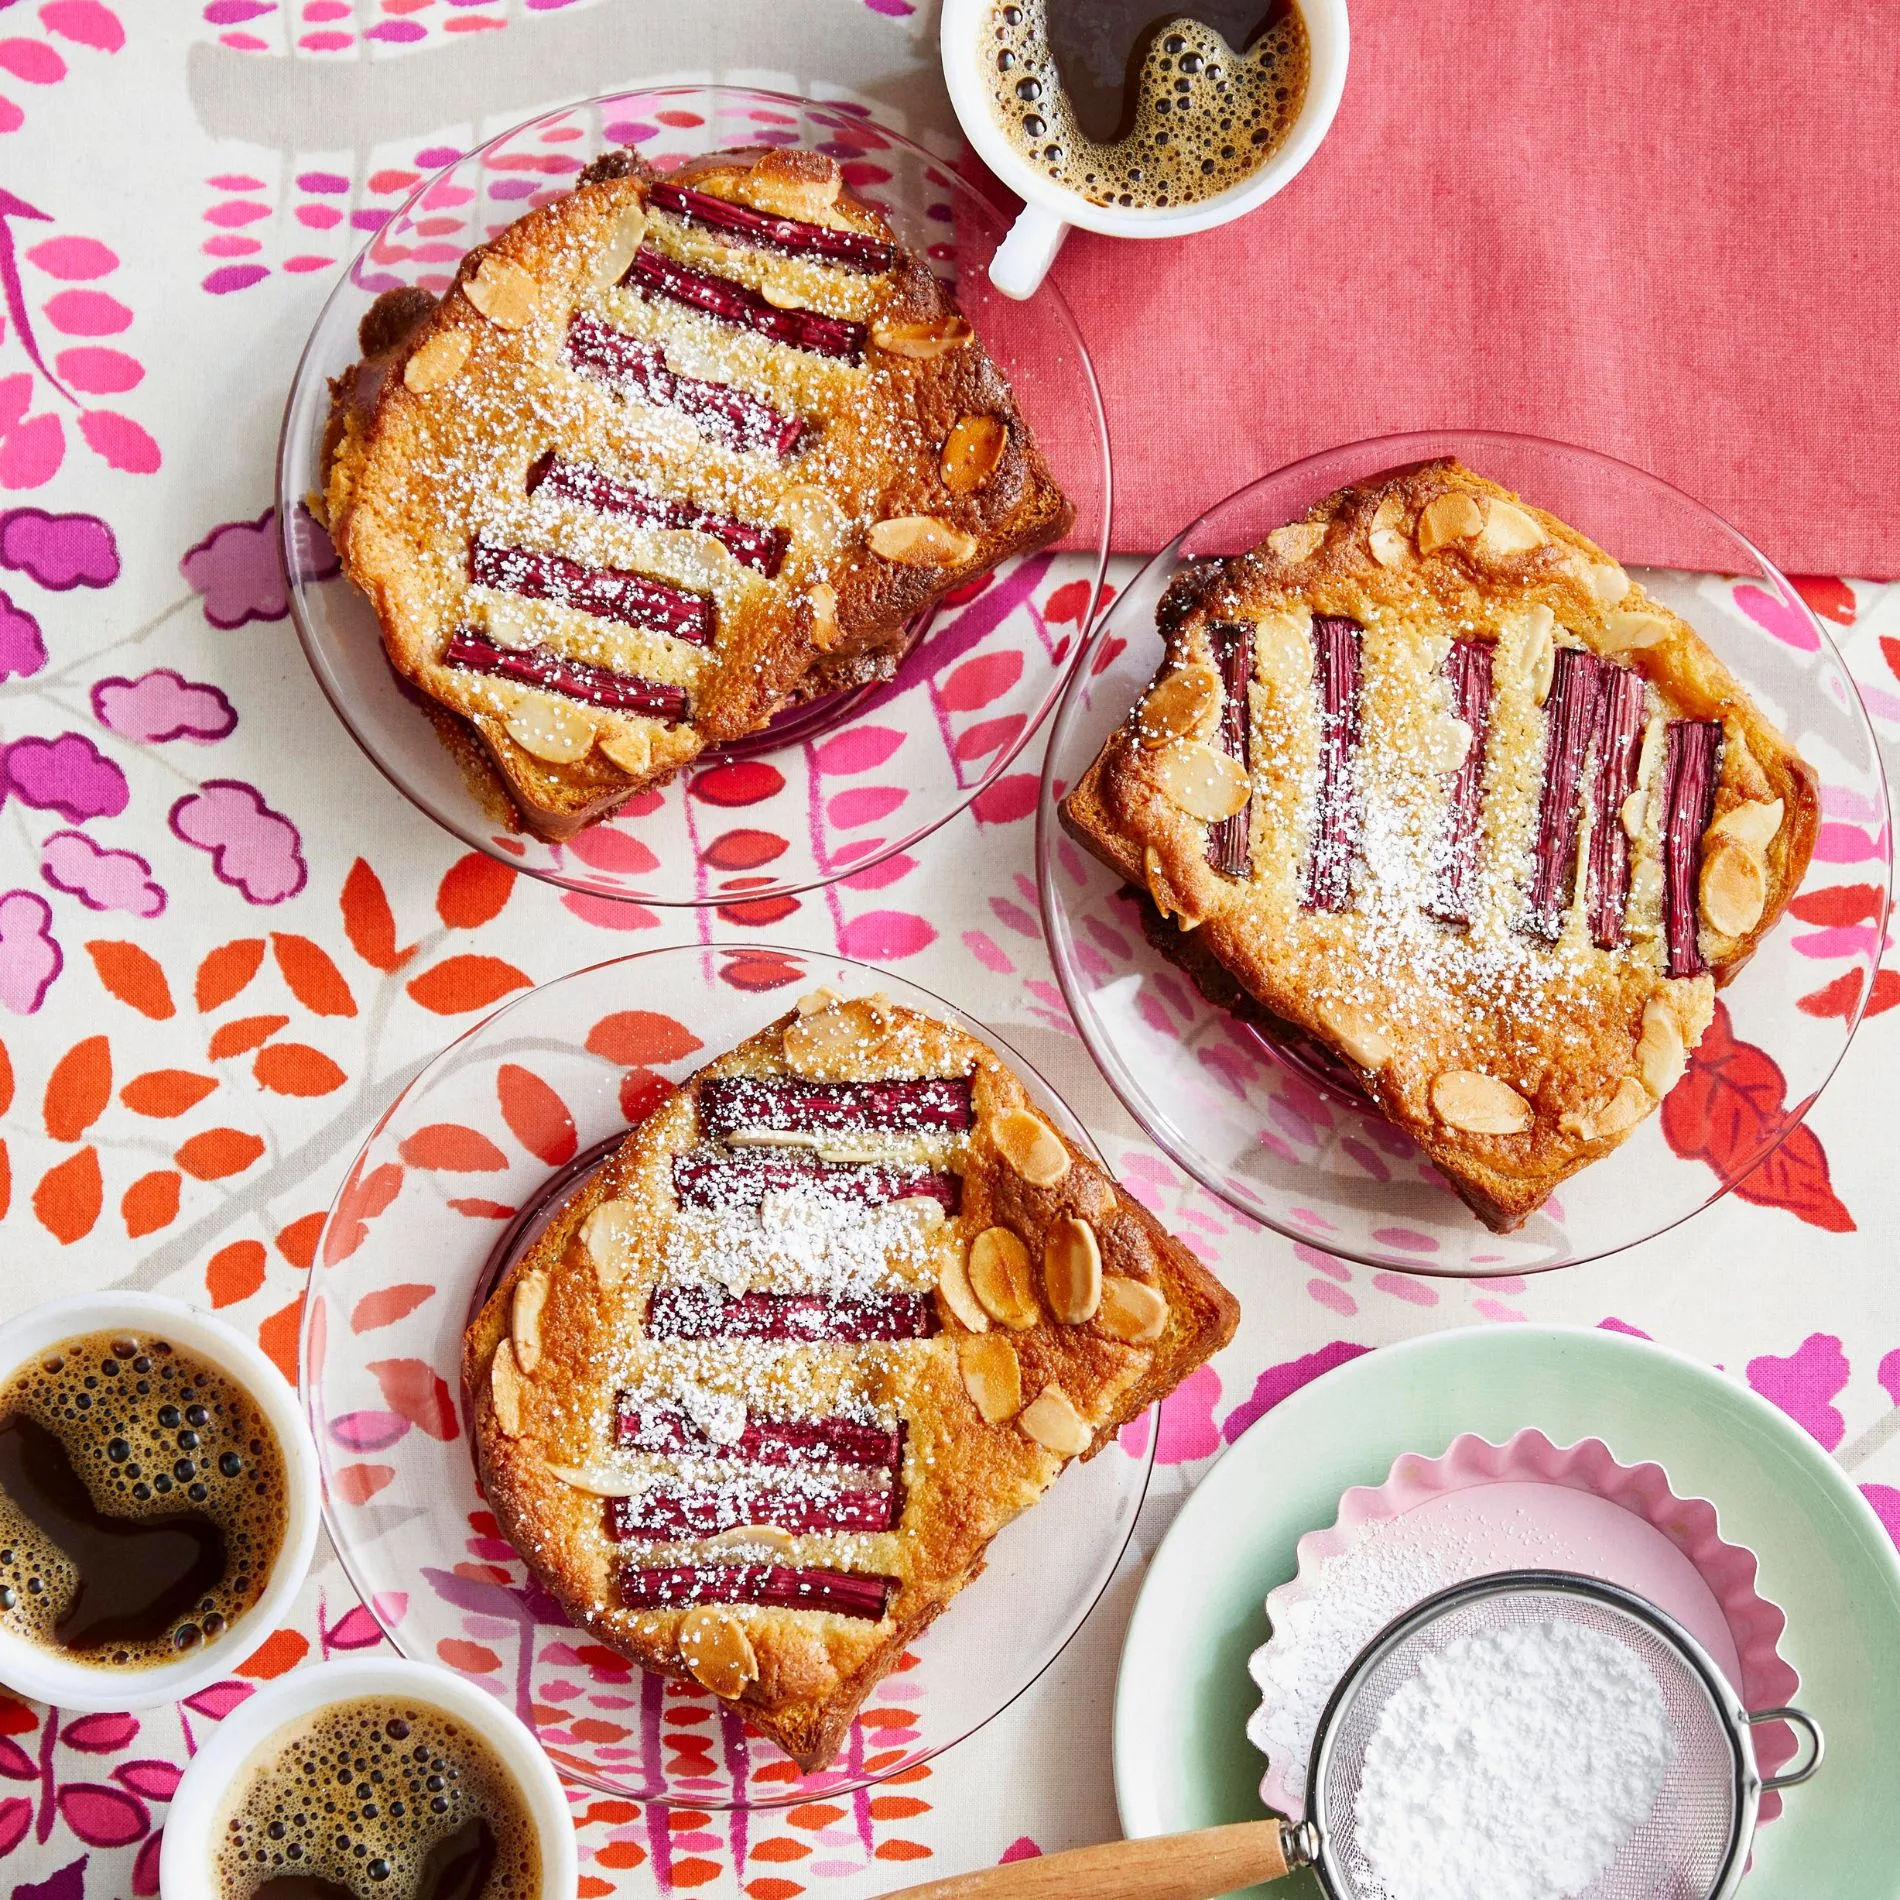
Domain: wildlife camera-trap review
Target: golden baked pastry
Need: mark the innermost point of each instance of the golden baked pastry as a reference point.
(670, 453)
(1435, 784)
(755, 1404)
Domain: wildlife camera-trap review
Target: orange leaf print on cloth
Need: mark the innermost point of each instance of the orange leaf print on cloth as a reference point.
(151, 1202)
(387, 1305)
(298, 1242)
(1728, 1107)
(536, 1115)
(69, 1196)
(357, 1484)
(165, 1093)
(453, 1149)
(641, 1092)
(241, 1035)
(641, 1038)
(235, 1272)
(279, 1653)
(294, 1068)
(457, 985)
(6, 1079)
(368, 921)
(278, 1336)
(314, 979)
(134, 977)
(78, 1089)
(413, 1388)
(473, 891)
(218, 1153)
(225, 971)
(364, 1196)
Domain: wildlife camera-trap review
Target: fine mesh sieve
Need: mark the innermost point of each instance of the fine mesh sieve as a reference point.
(1694, 1843)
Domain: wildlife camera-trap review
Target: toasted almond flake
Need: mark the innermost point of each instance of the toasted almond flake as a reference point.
(1734, 889)
(1204, 782)
(630, 748)
(1655, 741)
(717, 1651)
(797, 184)
(920, 541)
(607, 1237)
(924, 1209)
(1030, 1146)
(720, 1415)
(991, 1376)
(437, 362)
(1181, 705)
(999, 1277)
(971, 452)
(598, 1483)
(1753, 825)
(1646, 883)
(1297, 541)
(1386, 535)
(775, 1138)
(817, 1044)
(1131, 1311)
(1621, 1112)
(753, 1537)
(1603, 581)
(1445, 743)
(923, 342)
(1072, 1271)
(850, 1153)
(504, 1390)
(1479, 1104)
(1452, 516)
(511, 623)
(610, 263)
(1358, 1036)
(953, 1282)
(1631, 632)
(823, 602)
(1163, 892)
(504, 293)
(551, 728)
(1534, 652)
(1052, 1421)
(524, 1319)
(1661, 1055)
(1283, 649)
(1634, 812)
(1508, 530)
(815, 1000)
(781, 293)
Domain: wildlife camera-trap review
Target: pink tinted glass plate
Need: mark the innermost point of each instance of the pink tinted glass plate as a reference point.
(1284, 1137)
(830, 787)
(450, 1187)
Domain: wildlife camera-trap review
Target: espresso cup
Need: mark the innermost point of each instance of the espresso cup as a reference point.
(187, 1867)
(1050, 210)
(70, 1682)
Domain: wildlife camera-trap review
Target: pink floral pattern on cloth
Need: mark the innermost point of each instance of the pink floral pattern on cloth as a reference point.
(224, 942)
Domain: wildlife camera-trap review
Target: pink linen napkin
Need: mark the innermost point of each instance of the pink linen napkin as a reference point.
(1671, 233)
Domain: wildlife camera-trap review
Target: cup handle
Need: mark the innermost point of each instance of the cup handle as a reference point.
(1023, 258)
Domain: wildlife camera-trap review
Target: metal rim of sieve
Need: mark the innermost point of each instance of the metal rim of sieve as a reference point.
(1310, 1843)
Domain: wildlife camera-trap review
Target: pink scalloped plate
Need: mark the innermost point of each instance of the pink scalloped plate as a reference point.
(1480, 1508)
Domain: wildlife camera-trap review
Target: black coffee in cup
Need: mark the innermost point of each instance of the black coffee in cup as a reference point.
(1139, 104)
(142, 1500)
(378, 1798)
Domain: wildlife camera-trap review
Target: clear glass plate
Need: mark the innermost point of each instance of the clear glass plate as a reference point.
(451, 1186)
(831, 787)
(1286, 1138)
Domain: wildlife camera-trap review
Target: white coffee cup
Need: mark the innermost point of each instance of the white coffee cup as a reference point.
(1022, 260)
(66, 1681)
(187, 1867)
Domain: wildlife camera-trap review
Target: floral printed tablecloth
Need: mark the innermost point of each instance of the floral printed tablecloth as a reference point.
(225, 942)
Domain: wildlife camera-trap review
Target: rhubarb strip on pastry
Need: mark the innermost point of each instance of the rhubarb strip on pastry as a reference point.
(1571, 714)
(593, 685)
(1689, 773)
(669, 1430)
(1468, 674)
(554, 479)
(1230, 840)
(855, 250)
(703, 1312)
(669, 1511)
(714, 1177)
(772, 1586)
(1336, 675)
(610, 593)
(731, 417)
(658, 276)
(1619, 742)
(792, 1105)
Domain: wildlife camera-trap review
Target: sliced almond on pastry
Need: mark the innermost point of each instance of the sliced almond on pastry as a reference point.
(923, 341)
(991, 1376)
(1297, 541)
(607, 1236)
(631, 749)
(717, 1651)
(1386, 536)
(504, 293)
(818, 1043)
(1753, 825)
(1358, 1036)
(1030, 1146)
(1452, 516)
(1632, 631)
(1660, 1054)
(524, 1319)
(770, 1537)
(437, 362)
(1202, 781)
(614, 258)
(1051, 1419)
(1479, 1104)
(791, 184)
(999, 1277)
(1072, 1271)
(1445, 743)
(971, 452)
(1734, 889)
(921, 541)
(1182, 705)
(551, 729)
(1603, 581)
(823, 602)
(1131, 1310)
(504, 1390)
(1508, 530)
(953, 1282)
(1166, 900)
(1622, 1111)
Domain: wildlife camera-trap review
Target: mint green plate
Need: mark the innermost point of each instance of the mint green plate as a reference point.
(1182, 1758)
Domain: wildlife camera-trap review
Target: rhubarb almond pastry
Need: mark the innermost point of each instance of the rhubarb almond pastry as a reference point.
(1433, 782)
(756, 1403)
(670, 453)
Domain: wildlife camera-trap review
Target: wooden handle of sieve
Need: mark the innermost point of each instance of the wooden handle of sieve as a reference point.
(1213, 1860)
